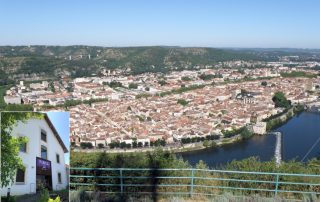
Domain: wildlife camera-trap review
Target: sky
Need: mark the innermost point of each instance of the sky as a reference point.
(209, 23)
(60, 120)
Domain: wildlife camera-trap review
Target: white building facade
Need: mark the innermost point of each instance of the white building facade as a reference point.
(42, 157)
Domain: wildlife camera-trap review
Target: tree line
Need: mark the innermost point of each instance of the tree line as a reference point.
(123, 145)
(188, 140)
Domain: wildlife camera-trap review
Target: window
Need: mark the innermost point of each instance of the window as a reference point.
(43, 136)
(20, 176)
(23, 147)
(44, 152)
(59, 178)
(58, 158)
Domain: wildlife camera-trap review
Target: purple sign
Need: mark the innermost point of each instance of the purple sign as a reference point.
(43, 166)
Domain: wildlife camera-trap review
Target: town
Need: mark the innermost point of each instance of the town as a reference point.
(140, 111)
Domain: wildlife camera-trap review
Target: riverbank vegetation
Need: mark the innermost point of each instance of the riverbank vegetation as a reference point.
(288, 112)
(279, 119)
(165, 159)
(243, 132)
(230, 133)
(122, 145)
(189, 140)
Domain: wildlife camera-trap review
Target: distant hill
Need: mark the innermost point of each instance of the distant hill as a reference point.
(86, 60)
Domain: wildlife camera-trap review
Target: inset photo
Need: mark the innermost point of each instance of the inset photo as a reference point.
(34, 156)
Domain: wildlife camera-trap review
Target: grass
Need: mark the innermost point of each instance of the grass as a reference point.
(12, 199)
(81, 195)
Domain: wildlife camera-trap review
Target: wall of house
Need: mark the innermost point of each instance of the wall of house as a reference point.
(32, 130)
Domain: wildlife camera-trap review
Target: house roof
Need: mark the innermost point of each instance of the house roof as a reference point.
(56, 134)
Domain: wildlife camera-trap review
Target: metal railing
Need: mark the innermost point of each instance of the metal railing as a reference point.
(193, 182)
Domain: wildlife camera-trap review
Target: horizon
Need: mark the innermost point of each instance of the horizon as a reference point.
(123, 23)
(164, 46)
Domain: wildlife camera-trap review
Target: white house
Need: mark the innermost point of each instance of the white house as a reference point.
(12, 99)
(42, 156)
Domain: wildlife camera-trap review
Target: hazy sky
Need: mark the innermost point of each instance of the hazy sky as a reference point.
(214, 23)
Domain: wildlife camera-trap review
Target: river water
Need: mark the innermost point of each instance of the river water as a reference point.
(298, 134)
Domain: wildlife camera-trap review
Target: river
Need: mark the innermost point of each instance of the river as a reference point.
(298, 134)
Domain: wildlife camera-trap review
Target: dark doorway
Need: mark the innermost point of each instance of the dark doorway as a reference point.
(44, 174)
(44, 181)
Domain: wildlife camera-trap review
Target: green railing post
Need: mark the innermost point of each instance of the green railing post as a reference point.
(277, 185)
(192, 182)
(121, 181)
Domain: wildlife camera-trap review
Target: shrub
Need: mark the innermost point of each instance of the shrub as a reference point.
(133, 86)
(57, 199)
(245, 133)
(44, 195)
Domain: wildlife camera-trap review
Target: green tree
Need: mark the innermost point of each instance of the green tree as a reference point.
(245, 133)
(133, 86)
(213, 144)
(163, 143)
(183, 102)
(206, 143)
(123, 145)
(51, 85)
(134, 144)
(10, 160)
(186, 78)
(162, 82)
(85, 145)
(112, 145)
(206, 76)
(280, 100)
(114, 84)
